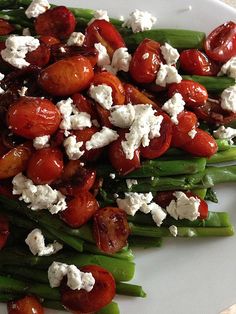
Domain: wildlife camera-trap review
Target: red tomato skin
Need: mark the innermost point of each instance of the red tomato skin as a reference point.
(195, 62)
(103, 116)
(45, 165)
(49, 40)
(193, 93)
(220, 44)
(81, 301)
(58, 22)
(4, 230)
(31, 117)
(144, 70)
(5, 27)
(80, 209)
(39, 57)
(26, 305)
(84, 105)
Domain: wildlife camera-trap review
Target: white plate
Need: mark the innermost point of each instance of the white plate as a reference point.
(185, 276)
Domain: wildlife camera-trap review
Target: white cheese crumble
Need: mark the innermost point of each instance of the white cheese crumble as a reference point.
(26, 31)
(167, 74)
(73, 147)
(122, 116)
(145, 56)
(131, 182)
(99, 15)
(40, 142)
(76, 39)
(36, 242)
(192, 133)
(103, 56)
(112, 176)
(158, 214)
(38, 196)
(102, 94)
(102, 138)
(174, 106)
(36, 8)
(22, 91)
(121, 59)
(1, 78)
(228, 99)
(76, 279)
(225, 133)
(169, 53)
(229, 68)
(146, 126)
(140, 21)
(183, 207)
(173, 230)
(16, 49)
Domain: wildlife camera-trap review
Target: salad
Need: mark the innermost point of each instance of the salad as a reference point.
(110, 135)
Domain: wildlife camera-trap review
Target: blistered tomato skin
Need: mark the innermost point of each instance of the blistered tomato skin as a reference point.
(5, 27)
(26, 305)
(66, 77)
(39, 57)
(31, 117)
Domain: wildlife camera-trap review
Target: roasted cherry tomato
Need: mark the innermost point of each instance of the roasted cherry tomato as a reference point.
(49, 40)
(159, 145)
(31, 117)
(58, 22)
(203, 207)
(110, 229)
(5, 27)
(195, 62)
(101, 31)
(193, 93)
(4, 230)
(80, 209)
(26, 305)
(66, 77)
(104, 115)
(40, 56)
(81, 301)
(85, 105)
(146, 61)
(45, 165)
(220, 44)
(202, 145)
(118, 159)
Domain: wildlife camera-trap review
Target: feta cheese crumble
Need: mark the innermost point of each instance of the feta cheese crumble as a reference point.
(122, 116)
(183, 207)
(76, 279)
(225, 133)
(174, 106)
(72, 148)
(121, 59)
(131, 182)
(103, 56)
(76, 39)
(102, 138)
(41, 142)
(1, 78)
(99, 15)
(38, 196)
(167, 74)
(22, 91)
(169, 53)
(158, 214)
(228, 99)
(102, 94)
(36, 243)
(16, 49)
(36, 8)
(229, 68)
(112, 176)
(140, 21)
(173, 230)
(192, 133)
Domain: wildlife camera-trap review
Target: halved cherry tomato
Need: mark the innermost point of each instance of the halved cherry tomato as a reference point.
(58, 22)
(193, 93)
(40, 56)
(159, 145)
(110, 229)
(146, 61)
(84, 105)
(49, 40)
(81, 301)
(203, 207)
(5, 27)
(4, 230)
(118, 159)
(202, 145)
(15, 161)
(80, 209)
(101, 31)
(103, 115)
(195, 62)
(45, 165)
(26, 305)
(220, 44)
(31, 117)
(66, 77)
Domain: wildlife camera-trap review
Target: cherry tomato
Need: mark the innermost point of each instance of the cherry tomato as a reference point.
(220, 44)
(84, 105)
(146, 61)
(5, 27)
(203, 207)
(26, 305)
(66, 77)
(159, 145)
(45, 165)
(104, 115)
(195, 62)
(4, 230)
(40, 56)
(193, 93)
(118, 159)
(102, 293)
(31, 117)
(202, 145)
(80, 209)
(15, 161)
(118, 93)
(58, 22)
(110, 229)
(101, 31)
(49, 40)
